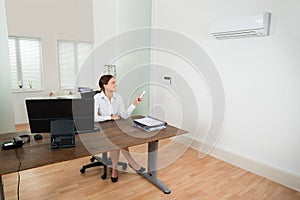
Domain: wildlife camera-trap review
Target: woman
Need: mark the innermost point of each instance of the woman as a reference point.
(109, 106)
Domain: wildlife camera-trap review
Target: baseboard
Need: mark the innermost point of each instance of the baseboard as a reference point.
(280, 176)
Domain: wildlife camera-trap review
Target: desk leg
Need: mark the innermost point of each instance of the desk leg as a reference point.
(151, 175)
(1, 189)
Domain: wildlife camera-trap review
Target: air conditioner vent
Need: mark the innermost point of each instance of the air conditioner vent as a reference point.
(251, 26)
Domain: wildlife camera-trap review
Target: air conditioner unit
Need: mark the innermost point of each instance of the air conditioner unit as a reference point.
(250, 26)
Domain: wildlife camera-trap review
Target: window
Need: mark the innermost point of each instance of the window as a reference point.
(72, 54)
(25, 62)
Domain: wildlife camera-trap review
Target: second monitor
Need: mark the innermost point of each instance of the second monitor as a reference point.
(41, 111)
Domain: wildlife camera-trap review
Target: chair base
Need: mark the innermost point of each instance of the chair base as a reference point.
(102, 161)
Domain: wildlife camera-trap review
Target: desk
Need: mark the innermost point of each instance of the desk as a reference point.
(113, 135)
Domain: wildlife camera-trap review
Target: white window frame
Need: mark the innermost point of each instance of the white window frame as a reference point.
(76, 67)
(37, 83)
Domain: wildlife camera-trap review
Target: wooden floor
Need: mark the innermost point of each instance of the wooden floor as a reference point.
(188, 178)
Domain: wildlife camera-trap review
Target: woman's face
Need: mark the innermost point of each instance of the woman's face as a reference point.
(111, 85)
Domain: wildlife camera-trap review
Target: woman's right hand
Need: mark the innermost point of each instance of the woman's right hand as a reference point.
(115, 117)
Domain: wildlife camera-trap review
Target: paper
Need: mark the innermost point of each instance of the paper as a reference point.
(148, 121)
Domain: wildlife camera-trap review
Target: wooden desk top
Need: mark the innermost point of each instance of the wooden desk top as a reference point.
(112, 135)
(36, 153)
(120, 134)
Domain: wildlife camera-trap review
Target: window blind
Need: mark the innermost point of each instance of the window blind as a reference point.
(72, 55)
(25, 63)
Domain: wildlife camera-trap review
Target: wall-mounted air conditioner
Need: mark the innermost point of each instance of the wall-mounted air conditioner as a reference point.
(250, 26)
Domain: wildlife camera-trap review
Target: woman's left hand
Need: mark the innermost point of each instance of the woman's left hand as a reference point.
(137, 101)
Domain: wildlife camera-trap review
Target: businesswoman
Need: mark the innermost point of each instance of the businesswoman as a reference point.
(109, 106)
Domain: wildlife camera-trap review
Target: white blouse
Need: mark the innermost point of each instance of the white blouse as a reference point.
(104, 108)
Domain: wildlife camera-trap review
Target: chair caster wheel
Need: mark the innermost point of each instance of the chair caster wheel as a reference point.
(82, 170)
(103, 176)
(92, 159)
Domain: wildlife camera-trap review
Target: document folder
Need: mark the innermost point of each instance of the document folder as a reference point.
(149, 124)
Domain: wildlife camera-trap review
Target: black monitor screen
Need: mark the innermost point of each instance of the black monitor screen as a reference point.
(42, 111)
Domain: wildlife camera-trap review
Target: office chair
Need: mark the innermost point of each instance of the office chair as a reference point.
(102, 161)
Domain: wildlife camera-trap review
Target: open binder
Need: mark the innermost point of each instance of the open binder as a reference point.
(149, 124)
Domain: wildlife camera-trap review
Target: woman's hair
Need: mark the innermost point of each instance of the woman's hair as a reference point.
(103, 81)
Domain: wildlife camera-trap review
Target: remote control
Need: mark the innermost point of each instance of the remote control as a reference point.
(141, 96)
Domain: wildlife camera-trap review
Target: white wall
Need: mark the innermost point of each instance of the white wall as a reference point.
(260, 77)
(6, 107)
(112, 18)
(104, 18)
(49, 20)
(131, 15)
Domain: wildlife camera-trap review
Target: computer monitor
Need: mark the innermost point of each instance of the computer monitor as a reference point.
(42, 111)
